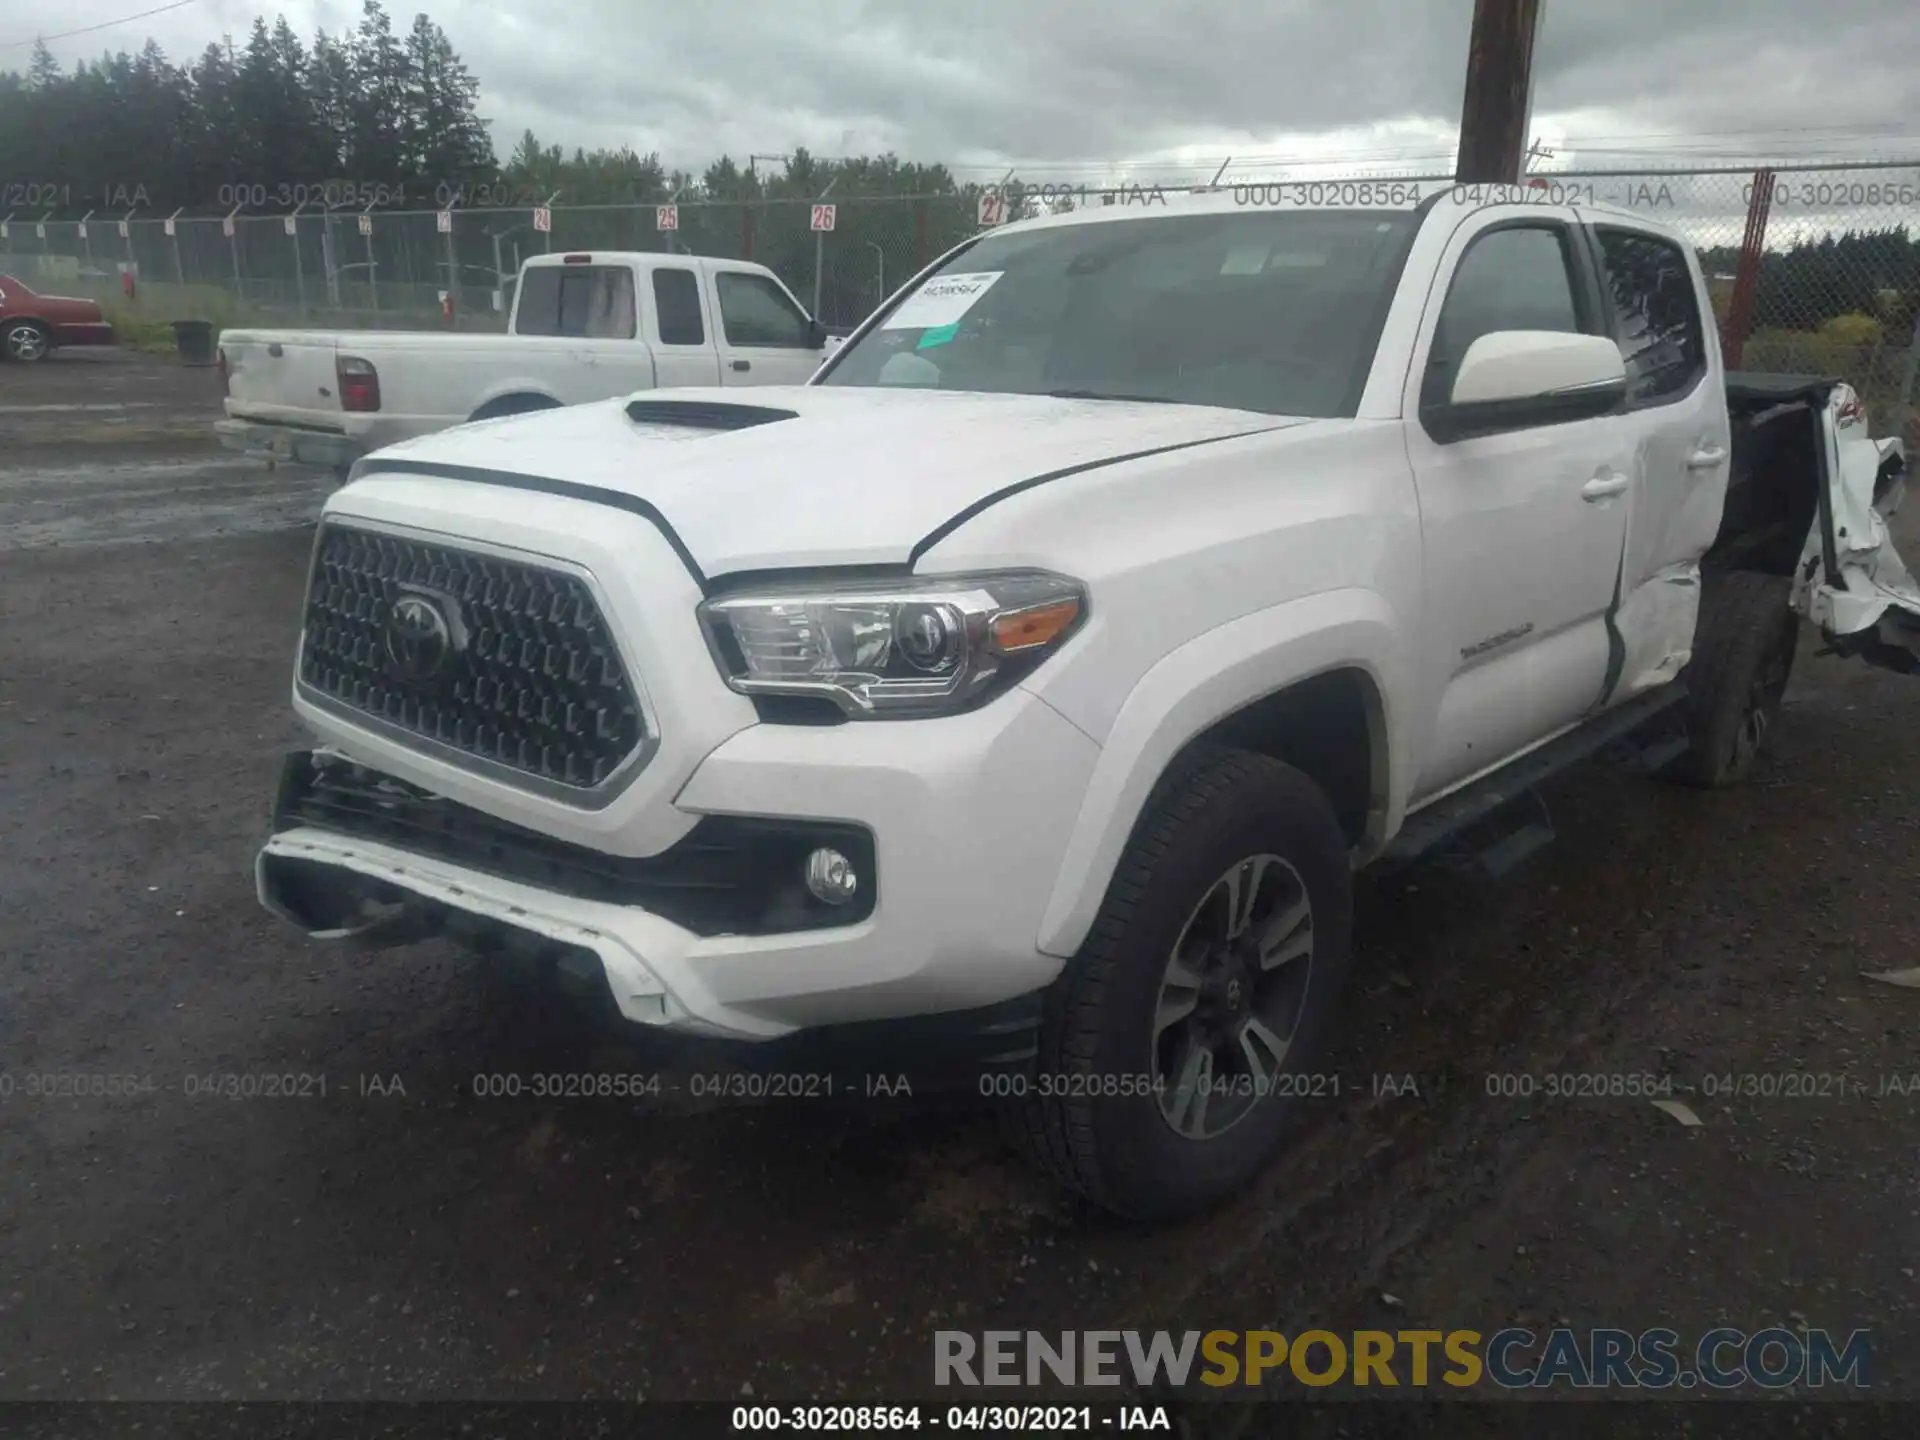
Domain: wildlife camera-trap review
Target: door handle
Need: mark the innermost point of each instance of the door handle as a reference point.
(1603, 487)
(1706, 457)
(743, 364)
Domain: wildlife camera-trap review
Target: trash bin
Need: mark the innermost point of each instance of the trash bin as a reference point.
(194, 340)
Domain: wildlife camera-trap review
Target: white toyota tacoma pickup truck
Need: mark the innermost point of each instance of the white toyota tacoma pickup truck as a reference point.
(584, 326)
(1034, 678)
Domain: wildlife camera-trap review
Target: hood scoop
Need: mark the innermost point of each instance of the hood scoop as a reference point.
(704, 414)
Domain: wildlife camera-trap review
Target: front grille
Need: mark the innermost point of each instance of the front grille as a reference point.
(519, 669)
(728, 875)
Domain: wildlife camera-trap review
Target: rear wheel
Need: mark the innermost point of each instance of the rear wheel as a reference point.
(1742, 659)
(25, 340)
(1176, 1045)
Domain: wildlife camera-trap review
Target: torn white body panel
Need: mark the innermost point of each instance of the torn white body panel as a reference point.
(618, 935)
(1656, 622)
(1869, 587)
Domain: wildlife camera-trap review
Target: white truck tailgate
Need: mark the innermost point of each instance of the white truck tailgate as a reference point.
(282, 376)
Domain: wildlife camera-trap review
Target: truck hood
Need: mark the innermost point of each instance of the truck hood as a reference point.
(781, 477)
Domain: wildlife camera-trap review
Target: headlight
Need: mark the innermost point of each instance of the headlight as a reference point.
(912, 648)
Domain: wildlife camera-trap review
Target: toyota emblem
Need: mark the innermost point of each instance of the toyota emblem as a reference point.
(419, 639)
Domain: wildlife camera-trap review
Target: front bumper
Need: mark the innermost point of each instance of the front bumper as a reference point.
(969, 816)
(286, 444)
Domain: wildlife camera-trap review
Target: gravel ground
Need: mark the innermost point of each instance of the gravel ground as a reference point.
(399, 1238)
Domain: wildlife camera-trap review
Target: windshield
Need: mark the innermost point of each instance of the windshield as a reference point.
(1275, 312)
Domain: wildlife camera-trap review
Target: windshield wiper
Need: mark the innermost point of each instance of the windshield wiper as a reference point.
(1107, 395)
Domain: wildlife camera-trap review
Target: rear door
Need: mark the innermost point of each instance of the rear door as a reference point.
(285, 376)
(684, 348)
(763, 334)
(1679, 439)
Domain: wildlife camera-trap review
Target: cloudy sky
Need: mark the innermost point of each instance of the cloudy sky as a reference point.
(1070, 88)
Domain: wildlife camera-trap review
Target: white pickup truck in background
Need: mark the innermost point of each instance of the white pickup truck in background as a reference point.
(585, 326)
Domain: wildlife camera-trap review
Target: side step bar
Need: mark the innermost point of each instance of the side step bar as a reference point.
(1509, 788)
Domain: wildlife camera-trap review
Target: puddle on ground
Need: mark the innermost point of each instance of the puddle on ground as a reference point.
(115, 503)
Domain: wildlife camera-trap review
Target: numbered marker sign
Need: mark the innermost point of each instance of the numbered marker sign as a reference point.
(123, 229)
(993, 208)
(366, 224)
(3, 229)
(83, 229)
(666, 217)
(39, 230)
(288, 224)
(168, 223)
(443, 221)
(823, 217)
(542, 219)
(226, 227)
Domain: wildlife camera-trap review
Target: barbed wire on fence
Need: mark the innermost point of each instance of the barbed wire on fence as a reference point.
(1835, 288)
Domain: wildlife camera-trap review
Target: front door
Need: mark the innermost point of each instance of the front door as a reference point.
(1523, 527)
(763, 332)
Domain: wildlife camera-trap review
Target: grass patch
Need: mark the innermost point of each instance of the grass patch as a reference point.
(142, 333)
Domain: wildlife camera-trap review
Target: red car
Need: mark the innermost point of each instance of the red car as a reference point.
(31, 326)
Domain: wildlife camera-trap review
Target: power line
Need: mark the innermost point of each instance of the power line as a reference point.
(103, 25)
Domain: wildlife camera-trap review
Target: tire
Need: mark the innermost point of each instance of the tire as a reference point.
(1126, 1151)
(25, 341)
(1742, 660)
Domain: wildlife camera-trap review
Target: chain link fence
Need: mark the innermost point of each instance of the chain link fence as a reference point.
(410, 269)
(1810, 269)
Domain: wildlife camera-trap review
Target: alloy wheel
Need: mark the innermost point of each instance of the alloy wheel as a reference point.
(26, 342)
(1231, 997)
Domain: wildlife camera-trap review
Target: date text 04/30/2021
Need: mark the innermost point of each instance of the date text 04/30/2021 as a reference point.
(987, 1419)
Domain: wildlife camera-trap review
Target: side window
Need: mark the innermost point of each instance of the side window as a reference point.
(1652, 294)
(596, 303)
(755, 311)
(676, 299)
(588, 302)
(539, 312)
(1515, 278)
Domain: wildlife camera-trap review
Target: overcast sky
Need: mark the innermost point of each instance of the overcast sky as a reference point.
(1067, 87)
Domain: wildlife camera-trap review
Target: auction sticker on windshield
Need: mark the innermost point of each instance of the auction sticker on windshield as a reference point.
(942, 300)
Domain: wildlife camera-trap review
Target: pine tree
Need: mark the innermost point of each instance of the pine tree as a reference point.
(446, 140)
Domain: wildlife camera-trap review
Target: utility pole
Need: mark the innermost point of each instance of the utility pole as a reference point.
(820, 250)
(1499, 95)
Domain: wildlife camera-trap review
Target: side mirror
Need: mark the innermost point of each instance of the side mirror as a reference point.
(1511, 379)
(816, 335)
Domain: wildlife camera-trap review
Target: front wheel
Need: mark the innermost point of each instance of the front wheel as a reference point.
(1178, 1043)
(25, 341)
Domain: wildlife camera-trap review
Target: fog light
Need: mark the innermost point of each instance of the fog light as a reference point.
(831, 876)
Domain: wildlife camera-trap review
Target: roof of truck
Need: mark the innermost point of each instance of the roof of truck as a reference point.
(622, 257)
(1386, 196)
